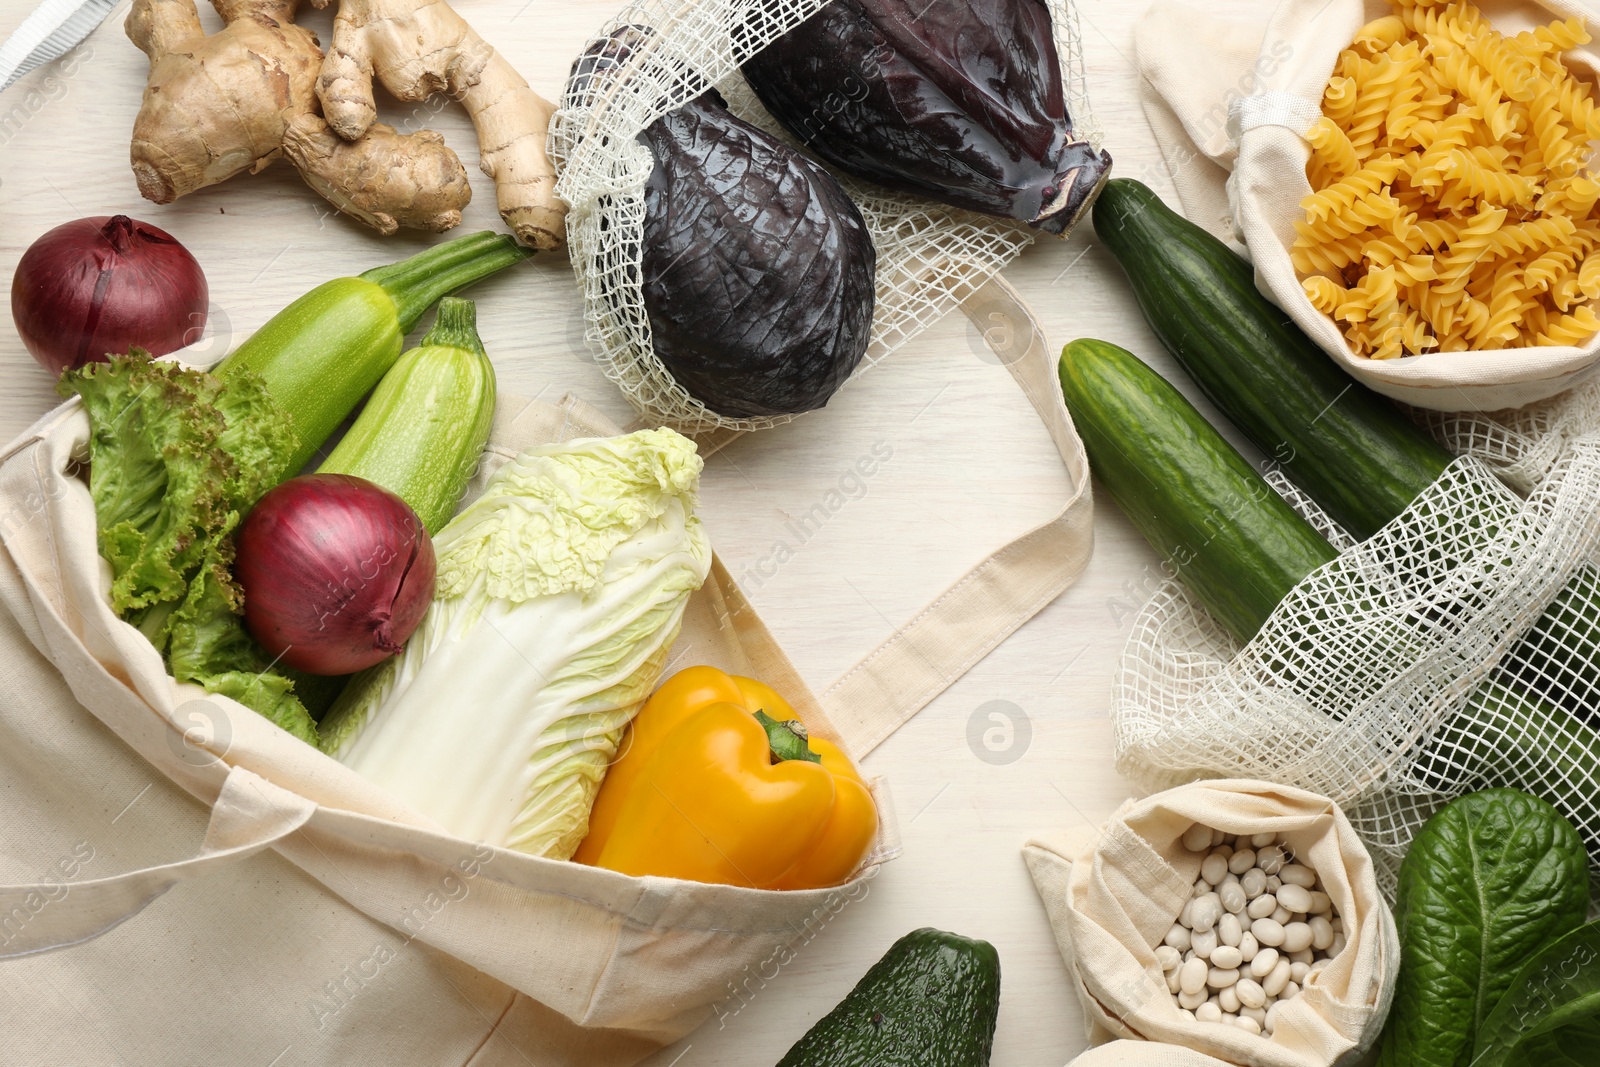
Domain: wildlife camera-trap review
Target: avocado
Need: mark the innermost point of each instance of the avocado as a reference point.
(930, 1002)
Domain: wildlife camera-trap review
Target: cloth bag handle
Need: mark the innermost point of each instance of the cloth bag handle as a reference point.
(966, 622)
(250, 815)
(969, 620)
(867, 704)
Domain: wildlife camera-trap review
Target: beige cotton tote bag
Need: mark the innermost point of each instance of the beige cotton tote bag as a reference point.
(187, 884)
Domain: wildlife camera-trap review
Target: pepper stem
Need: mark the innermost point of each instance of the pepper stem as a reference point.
(456, 326)
(787, 740)
(417, 283)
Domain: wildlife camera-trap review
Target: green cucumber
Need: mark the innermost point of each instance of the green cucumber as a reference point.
(320, 355)
(1210, 515)
(931, 1001)
(422, 434)
(1239, 548)
(1351, 450)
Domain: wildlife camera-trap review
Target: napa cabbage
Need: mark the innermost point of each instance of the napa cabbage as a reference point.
(560, 591)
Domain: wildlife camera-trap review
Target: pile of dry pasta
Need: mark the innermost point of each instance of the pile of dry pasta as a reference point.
(1455, 193)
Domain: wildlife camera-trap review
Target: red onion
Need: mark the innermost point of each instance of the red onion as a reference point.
(336, 572)
(106, 284)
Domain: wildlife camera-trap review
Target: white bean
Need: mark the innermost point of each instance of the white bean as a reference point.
(1192, 1000)
(1169, 957)
(1208, 1013)
(1272, 1018)
(1186, 915)
(1290, 991)
(1298, 971)
(1193, 978)
(1230, 930)
(1321, 903)
(1217, 978)
(1214, 867)
(1201, 888)
(1205, 913)
(1263, 840)
(1248, 946)
(1262, 906)
(1296, 937)
(1172, 981)
(1253, 882)
(1251, 995)
(1275, 982)
(1197, 838)
(1242, 861)
(1274, 883)
(1233, 897)
(1186, 1013)
(1258, 1014)
(1264, 962)
(1247, 1024)
(1179, 937)
(1294, 874)
(1282, 915)
(1338, 945)
(1269, 932)
(1303, 956)
(1229, 999)
(1205, 943)
(1217, 837)
(1294, 898)
(1226, 957)
(1270, 860)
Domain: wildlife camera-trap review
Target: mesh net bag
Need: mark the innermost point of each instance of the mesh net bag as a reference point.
(929, 256)
(1454, 650)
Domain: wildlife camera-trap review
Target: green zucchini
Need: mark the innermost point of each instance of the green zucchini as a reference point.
(422, 434)
(320, 355)
(1351, 450)
(1239, 548)
(1226, 533)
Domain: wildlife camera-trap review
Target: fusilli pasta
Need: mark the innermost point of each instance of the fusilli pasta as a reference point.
(1454, 191)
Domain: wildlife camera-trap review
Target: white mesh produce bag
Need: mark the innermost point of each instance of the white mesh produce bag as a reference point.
(1383, 680)
(929, 256)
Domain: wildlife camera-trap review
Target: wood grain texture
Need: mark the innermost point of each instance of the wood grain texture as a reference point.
(969, 467)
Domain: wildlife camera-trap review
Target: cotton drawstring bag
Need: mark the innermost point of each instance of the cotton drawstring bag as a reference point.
(929, 256)
(188, 862)
(1111, 895)
(1145, 1054)
(1230, 101)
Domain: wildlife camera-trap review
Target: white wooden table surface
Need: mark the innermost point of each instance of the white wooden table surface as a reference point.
(969, 467)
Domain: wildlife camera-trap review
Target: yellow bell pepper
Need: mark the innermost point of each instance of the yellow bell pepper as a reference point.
(719, 781)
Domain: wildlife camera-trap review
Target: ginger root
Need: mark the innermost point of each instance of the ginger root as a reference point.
(215, 106)
(419, 47)
(219, 105)
(385, 180)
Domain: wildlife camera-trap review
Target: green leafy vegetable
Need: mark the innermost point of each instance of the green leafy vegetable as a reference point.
(1490, 880)
(176, 457)
(1550, 1014)
(559, 593)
